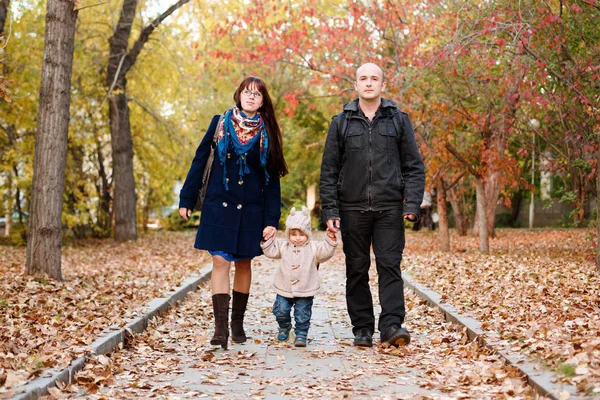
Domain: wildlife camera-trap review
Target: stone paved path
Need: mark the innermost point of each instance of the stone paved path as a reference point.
(174, 360)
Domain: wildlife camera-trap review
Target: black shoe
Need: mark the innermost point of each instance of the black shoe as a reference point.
(363, 338)
(395, 336)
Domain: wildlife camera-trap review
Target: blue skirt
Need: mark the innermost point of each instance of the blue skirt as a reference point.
(228, 256)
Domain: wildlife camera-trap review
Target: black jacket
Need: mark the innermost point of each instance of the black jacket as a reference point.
(371, 167)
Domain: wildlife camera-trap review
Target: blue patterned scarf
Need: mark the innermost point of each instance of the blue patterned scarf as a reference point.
(241, 133)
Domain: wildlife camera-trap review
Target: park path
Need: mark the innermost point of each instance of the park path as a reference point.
(173, 359)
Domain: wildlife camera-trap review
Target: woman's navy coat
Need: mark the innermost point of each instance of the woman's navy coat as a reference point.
(232, 220)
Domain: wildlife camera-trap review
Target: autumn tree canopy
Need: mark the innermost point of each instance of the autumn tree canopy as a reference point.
(471, 75)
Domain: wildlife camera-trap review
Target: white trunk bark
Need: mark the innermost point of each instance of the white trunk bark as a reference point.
(442, 209)
(482, 220)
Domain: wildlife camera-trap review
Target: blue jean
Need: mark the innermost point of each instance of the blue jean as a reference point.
(302, 312)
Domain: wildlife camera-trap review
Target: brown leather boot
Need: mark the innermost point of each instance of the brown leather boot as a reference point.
(238, 309)
(221, 313)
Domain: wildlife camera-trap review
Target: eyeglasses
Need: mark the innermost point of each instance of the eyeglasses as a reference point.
(257, 95)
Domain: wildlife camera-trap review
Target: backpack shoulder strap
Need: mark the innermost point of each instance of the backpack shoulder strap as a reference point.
(342, 124)
(396, 118)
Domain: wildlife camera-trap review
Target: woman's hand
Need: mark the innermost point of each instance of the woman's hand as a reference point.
(185, 213)
(269, 232)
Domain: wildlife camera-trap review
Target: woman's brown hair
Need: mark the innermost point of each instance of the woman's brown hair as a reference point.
(275, 161)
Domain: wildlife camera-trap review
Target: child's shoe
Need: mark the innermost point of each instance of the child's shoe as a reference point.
(283, 334)
(300, 341)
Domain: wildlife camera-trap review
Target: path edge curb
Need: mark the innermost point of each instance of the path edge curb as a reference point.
(110, 341)
(541, 380)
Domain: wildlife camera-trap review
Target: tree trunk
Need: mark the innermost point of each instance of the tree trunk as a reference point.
(515, 206)
(492, 192)
(119, 63)
(124, 182)
(45, 233)
(18, 205)
(457, 212)
(75, 188)
(104, 188)
(146, 212)
(8, 205)
(442, 210)
(4, 4)
(598, 208)
(122, 144)
(482, 220)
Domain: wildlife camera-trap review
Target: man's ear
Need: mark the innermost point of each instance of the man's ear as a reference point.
(383, 86)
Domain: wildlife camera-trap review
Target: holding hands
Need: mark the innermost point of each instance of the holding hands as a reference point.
(269, 232)
(411, 217)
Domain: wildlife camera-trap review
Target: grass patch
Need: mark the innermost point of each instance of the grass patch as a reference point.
(567, 370)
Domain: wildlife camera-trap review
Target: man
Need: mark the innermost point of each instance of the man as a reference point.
(372, 177)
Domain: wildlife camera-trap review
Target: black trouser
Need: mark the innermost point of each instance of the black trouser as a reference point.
(385, 230)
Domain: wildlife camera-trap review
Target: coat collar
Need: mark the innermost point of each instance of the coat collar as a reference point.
(353, 105)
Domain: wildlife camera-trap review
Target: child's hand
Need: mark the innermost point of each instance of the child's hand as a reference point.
(269, 232)
(331, 233)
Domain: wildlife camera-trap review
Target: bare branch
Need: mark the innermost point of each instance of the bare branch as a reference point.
(146, 32)
(91, 5)
(589, 3)
(154, 115)
(451, 186)
(460, 158)
(554, 72)
(112, 86)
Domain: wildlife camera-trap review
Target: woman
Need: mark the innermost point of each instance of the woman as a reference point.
(243, 199)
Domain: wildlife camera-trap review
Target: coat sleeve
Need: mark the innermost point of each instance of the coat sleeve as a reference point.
(413, 169)
(272, 209)
(272, 248)
(189, 192)
(324, 249)
(330, 172)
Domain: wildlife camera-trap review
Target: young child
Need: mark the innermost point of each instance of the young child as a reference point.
(296, 279)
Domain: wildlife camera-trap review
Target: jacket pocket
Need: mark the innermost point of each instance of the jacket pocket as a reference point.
(387, 139)
(354, 140)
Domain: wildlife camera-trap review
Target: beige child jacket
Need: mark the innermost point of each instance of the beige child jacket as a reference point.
(297, 274)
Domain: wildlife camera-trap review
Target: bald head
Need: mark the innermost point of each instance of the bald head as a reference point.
(369, 84)
(369, 69)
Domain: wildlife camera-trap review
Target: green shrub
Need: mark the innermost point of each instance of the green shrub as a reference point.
(175, 223)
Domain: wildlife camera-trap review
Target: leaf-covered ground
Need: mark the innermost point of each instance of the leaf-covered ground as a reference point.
(48, 324)
(538, 289)
(174, 360)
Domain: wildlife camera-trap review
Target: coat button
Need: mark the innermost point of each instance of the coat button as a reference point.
(239, 206)
(224, 204)
(240, 182)
(227, 180)
(228, 155)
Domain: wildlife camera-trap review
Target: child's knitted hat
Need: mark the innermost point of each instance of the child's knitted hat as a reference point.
(298, 220)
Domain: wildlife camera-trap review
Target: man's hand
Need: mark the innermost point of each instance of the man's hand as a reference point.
(411, 217)
(333, 225)
(269, 232)
(185, 213)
